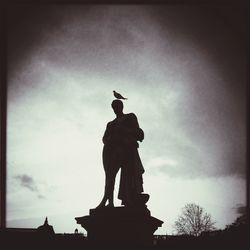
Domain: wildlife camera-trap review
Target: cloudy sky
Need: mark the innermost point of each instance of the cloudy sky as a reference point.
(182, 69)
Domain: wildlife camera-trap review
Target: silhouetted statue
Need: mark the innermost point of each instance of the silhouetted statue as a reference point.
(120, 151)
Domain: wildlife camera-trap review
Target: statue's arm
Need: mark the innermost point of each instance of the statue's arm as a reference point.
(107, 135)
(136, 130)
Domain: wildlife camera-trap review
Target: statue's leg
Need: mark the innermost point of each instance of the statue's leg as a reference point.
(127, 190)
(110, 191)
(109, 186)
(111, 163)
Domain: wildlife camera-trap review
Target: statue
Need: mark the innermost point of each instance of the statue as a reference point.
(133, 223)
(121, 151)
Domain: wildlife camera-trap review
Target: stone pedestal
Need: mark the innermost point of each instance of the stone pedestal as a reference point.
(120, 224)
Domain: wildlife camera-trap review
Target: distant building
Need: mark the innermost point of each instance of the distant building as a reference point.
(46, 228)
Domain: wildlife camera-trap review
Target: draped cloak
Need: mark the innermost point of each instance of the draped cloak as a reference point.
(121, 151)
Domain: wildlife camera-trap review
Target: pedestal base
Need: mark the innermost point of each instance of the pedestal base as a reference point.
(120, 224)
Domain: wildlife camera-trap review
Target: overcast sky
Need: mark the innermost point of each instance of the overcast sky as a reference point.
(182, 69)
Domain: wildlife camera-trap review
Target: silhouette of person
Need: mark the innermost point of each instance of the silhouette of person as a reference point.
(121, 151)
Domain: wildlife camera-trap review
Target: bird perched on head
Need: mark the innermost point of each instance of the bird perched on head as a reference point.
(119, 96)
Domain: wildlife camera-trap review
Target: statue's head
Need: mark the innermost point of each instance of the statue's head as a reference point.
(117, 106)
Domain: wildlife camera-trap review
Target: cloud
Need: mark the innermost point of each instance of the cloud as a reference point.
(198, 118)
(29, 183)
(240, 209)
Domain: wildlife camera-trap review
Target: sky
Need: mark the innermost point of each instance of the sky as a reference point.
(182, 69)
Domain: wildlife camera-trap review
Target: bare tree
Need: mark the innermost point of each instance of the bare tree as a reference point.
(193, 221)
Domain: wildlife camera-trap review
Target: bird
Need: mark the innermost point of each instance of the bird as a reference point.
(119, 96)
